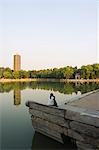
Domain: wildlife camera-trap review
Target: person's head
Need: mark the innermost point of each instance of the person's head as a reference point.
(51, 95)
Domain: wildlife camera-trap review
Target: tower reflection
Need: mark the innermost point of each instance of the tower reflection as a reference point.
(17, 97)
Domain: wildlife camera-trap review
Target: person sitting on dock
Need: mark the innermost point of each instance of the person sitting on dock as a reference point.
(52, 101)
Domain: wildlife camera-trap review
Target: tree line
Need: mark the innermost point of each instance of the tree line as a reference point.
(68, 72)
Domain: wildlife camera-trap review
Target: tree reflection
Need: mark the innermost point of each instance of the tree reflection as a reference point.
(66, 88)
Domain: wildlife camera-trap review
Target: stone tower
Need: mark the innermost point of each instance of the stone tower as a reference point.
(17, 62)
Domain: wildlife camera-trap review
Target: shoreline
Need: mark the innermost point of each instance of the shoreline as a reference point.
(48, 80)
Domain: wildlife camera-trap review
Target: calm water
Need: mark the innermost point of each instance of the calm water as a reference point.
(16, 130)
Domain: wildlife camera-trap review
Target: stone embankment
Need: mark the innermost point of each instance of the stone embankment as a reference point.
(49, 80)
(80, 124)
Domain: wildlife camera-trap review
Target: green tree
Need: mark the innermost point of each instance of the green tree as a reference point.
(1, 72)
(88, 70)
(16, 75)
(24, 74)
(83, 72)
(7, 75)
(68, 72)
(96, 70)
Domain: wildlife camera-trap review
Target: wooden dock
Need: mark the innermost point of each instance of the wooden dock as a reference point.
(79, 124)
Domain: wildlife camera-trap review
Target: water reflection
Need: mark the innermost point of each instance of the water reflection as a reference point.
(66, 88)
(17, 131)
(41, 141)
(17, 97)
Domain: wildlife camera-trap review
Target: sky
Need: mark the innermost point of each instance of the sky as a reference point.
(49, 33)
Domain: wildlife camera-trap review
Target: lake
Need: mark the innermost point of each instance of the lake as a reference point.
(16, 130)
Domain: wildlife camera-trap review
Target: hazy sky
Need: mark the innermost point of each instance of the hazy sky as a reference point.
(48, 33)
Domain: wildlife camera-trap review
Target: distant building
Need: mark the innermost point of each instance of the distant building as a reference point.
(77, 76)
(17, 62)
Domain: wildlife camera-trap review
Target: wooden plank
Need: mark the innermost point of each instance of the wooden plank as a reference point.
(50, 117)
(83, 146)
(48, 132)
(85, 129)
(45, 108)
(49, 135)
(89, 117)
(81, 137)
(46, 124)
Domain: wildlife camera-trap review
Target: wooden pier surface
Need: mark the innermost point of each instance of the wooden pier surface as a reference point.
(77, 120)
(90, 101)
